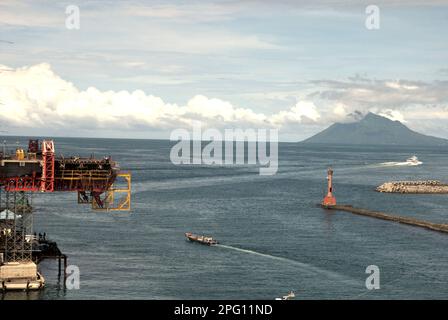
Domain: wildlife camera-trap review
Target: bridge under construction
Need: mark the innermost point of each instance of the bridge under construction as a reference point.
(98, 183)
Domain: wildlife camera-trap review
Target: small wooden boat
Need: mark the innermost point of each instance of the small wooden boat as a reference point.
(201, 239)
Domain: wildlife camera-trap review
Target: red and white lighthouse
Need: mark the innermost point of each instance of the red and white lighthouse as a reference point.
(329, 199)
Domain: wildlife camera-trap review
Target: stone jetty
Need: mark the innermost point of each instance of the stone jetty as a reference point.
(440, 227)
(425, 186)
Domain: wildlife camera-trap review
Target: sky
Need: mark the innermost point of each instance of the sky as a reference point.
(140, 69)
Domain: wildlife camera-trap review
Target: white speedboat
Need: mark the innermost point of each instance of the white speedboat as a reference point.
(289, 296)
(413, 161)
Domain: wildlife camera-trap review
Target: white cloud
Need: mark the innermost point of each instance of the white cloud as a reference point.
(394, 115)
(36, 97)
(394, 99)
(340, 110)
(398, 85)
(303, 111)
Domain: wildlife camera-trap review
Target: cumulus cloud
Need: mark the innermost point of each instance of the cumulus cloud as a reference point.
(340, 110)
(400, 100)
(37, 97)
(302, 112)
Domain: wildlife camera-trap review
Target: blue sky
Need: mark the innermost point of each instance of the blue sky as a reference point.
(294, 65)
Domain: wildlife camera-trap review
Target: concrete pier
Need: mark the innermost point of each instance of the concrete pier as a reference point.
(426, 186)
(385, 216)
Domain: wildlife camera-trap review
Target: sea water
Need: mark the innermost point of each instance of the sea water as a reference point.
(273, 236)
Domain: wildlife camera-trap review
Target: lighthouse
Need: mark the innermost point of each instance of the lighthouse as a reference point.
(329, 199)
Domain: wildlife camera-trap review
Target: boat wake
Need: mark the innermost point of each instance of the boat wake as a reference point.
(412, 161)
(303, 266)
(262, 254)
(394, 164)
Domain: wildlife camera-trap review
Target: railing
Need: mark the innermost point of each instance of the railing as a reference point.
(84, 180)
(17, 184)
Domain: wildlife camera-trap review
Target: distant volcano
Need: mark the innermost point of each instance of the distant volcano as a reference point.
(374, 130)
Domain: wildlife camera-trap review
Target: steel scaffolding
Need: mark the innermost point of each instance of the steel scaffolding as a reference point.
(16, 226)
